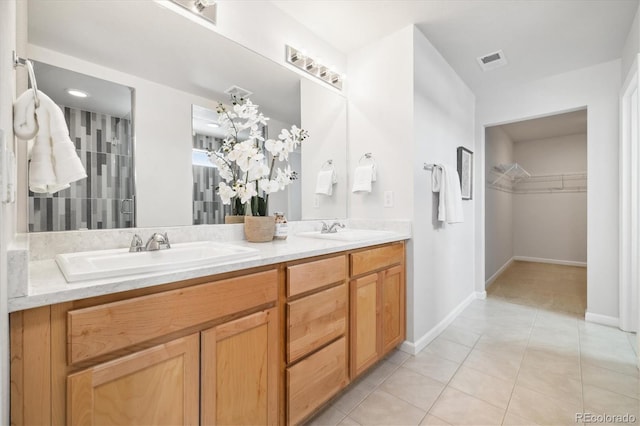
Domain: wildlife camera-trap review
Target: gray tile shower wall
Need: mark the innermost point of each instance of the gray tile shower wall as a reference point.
(207, 208)
(103, 143)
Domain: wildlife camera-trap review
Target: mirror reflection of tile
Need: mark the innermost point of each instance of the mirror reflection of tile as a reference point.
(103, 143)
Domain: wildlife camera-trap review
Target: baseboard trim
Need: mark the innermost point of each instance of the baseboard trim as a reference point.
(421, 343)
(493, 277)
(602, 319)
(552, 261)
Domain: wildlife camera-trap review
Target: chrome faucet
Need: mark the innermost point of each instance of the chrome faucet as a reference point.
(330, 229)
(157, 242)
(136, 244)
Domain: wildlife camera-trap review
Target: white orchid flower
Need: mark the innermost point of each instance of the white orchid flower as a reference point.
(226, 193)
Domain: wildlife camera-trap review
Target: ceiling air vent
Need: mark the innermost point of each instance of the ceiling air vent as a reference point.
(492, 60)
(238, 92)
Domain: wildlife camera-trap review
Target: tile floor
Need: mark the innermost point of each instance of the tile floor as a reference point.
(499, 363)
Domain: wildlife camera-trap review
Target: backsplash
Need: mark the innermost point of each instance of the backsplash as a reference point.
(103, 143)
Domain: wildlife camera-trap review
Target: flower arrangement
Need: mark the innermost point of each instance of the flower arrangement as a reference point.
(247, 177)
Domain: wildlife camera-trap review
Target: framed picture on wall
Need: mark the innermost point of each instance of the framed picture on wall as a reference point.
(465, 172)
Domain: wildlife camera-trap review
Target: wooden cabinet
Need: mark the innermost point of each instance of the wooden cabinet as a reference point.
(156, 386)
(265, 346)
(317, 329)
(377, 305)
(204, 352)
(240, 371)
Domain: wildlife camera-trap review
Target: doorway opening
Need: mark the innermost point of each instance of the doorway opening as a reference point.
(536, 212)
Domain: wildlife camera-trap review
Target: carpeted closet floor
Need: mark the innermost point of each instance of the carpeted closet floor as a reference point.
(552, 287)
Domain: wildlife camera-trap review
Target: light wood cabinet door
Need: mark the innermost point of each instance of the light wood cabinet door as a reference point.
(240, 371)
(315, 379)
(365, 311)
(156, 386)
(393, 308)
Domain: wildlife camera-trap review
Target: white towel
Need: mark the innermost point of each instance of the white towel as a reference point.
(363, 177)
(54, 162)
(446, 183)
(325, 181)
(25, 125)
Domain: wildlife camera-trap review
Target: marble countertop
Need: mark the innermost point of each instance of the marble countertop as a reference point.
(47, 285)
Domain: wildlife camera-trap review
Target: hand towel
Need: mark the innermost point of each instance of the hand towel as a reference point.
(325, 181)
(54, 162)
(446, 183)
(25, 125)
(363, 177)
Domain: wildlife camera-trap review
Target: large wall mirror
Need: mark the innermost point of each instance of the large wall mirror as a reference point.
(178, 69)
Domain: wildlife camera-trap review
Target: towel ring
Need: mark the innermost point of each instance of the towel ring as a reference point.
(327, 165)
(34, 84)
(367, 156)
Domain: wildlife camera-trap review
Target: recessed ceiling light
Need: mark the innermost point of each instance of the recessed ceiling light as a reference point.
(77, 93)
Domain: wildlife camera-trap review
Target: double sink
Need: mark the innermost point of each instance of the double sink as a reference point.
(119, 262)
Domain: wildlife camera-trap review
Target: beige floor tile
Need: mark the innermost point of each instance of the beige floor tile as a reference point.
(503, 344)
(381, 408)
(413, 387)
(458, 408)
(432, 366)
(460, 336)
(503, 366)
(542, 409)
(397, 357)
(354, 396)
(552, 362)
(551, 384)
(432, 420)
(482, 386)
(624, 384)
(447, 349)
(348, 421)
(603, 401)
(511, 419)
(328, 417)
(379, 373)
(611, 359)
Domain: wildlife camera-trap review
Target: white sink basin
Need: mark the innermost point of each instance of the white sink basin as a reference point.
(347, 234)
(90, 265)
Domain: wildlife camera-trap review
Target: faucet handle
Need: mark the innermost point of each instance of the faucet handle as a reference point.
(325, 227)
(136, 244)
(166, 241)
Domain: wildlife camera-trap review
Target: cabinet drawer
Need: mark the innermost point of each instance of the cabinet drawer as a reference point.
(316, 379)
(105, 328)
(315, 320)
(377, 258)
(311, 275)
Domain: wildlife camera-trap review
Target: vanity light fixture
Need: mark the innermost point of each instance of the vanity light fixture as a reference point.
(77, 93)
(203, 12)
(314, 67)
(214, 125)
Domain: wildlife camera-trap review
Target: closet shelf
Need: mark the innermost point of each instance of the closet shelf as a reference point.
(537, 184)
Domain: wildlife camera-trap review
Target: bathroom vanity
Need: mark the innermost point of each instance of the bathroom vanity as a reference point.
(265, 344)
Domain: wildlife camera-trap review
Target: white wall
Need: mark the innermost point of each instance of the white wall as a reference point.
(551, 226)
(324, 115)
(380, 115)
(597, 88)
(499, 204)
(632, 46)
(408, 106)
(7, 212)
(443, 261)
